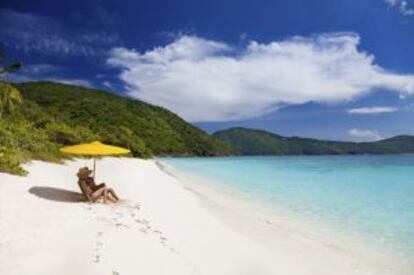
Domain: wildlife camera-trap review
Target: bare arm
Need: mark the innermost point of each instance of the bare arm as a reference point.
(100, 185)
(85, 191)
(91, 183)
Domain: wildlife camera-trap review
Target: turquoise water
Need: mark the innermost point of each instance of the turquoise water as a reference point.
(368, 196)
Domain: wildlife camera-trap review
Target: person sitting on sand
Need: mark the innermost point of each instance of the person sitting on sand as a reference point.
(93, 191)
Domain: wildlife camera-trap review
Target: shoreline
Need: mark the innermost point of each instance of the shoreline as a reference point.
(161, 227)
(263, 216)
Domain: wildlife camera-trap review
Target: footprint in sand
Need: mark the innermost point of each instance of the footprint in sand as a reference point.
(172, 249)
(96, 259)
(121, 225)
(98, 248)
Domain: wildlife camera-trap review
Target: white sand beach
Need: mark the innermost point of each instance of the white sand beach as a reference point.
(161, 227)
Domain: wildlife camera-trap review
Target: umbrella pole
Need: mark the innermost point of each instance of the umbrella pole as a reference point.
(94, 168)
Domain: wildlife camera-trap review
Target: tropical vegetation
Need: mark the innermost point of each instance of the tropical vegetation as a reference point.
(41, 117)
(9, 98)
(38, 118)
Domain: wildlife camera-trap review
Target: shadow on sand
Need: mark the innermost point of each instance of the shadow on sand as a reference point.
(56, 194)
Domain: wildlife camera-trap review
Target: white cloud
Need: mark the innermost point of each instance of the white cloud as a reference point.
(403, 6)
(373, 110)
(44, 72)
(72, 81)
(32, 72)
(365, 135)
(205, 80)
(108, 84)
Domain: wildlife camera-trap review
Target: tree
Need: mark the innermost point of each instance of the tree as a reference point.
(10, 66)
(9, 95)
(9, 98)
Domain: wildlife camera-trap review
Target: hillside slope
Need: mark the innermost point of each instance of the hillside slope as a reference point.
(258, 142)
(53, 115)
(116, 118)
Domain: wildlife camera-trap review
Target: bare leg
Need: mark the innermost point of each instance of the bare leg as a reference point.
(113, 194)
(105, 196)
(105, 193)
(101, 192)
(100, 185)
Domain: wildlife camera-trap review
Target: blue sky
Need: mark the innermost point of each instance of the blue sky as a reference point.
(328, 69)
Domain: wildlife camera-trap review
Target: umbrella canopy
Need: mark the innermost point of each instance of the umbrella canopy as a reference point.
(95, 148)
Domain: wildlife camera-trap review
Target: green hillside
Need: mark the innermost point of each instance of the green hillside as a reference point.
(258, 142)
(53, 115)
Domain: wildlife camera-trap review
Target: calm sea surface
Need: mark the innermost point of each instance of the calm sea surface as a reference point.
(371, 197)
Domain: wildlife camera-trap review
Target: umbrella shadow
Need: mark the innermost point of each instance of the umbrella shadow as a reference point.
(56, 194)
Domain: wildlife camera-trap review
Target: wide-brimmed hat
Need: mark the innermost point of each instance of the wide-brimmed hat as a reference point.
(84, 171)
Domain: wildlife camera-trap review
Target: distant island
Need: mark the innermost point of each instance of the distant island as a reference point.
(51, 115)
(258, 142)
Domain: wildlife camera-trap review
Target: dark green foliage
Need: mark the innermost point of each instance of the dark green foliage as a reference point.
(258, 142)
(9, 98)
(10, 68)
(143, 128)
(8, 164)
(54, 115)
(20, 141)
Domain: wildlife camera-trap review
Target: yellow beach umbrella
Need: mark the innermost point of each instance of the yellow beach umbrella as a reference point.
(95, 148)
